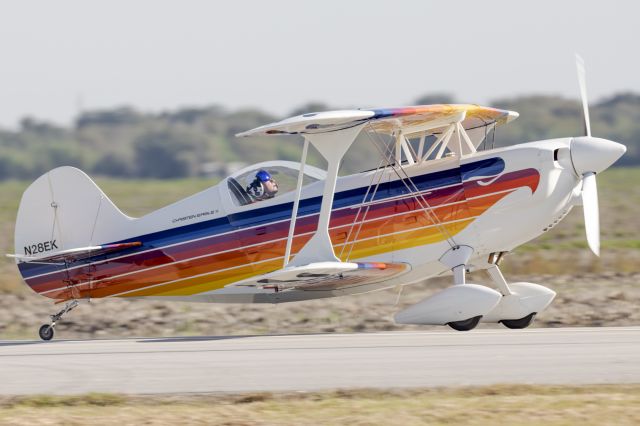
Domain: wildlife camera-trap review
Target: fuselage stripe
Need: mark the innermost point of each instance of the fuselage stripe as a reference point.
(390, 220)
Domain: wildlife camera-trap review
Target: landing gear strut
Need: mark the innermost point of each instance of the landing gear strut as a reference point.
(521, 301)
(457, 259)
(46, 330)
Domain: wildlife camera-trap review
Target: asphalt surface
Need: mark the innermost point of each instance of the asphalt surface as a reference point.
(321, 361)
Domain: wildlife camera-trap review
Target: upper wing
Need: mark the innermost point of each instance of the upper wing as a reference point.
(75, 254)
(325, 276)
(408, 119)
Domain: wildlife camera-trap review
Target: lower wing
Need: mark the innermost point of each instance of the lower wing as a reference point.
(325, 276)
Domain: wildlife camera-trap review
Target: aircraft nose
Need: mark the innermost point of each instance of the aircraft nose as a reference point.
(589, 154)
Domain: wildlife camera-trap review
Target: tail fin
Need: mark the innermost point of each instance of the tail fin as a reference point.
(64, 209)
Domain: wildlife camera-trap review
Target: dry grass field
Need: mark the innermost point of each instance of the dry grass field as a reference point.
(499, 404)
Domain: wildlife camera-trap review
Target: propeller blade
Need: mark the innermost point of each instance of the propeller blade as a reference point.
(582, 81)
(591, 211)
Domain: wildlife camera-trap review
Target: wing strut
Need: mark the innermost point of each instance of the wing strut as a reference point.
(332, 146)
(296, 203)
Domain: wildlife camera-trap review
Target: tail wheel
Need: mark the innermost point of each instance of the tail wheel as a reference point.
(46, 332)
(465, 325)
(519, 323)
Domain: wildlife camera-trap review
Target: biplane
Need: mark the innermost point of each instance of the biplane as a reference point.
(442, 201)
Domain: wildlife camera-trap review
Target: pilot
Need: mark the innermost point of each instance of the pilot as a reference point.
(263, 187)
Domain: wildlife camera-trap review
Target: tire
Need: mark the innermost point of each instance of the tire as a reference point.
(465, 325)
(46, 332)
(518, 324)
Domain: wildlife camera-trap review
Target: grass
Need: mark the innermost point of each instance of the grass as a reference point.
(619, 191)
(497, 404)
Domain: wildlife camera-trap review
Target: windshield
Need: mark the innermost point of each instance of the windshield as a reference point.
(248, 186)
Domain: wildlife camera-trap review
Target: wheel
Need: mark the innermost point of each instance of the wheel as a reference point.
(465, 325)
(519, 323)
(46, 332)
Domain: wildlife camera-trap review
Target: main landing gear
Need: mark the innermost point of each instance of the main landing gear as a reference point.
(518, 304)
(457, 259)
(464, 305)
(460, 306)
(46, 330)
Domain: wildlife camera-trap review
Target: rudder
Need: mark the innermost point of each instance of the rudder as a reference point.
(65, 209)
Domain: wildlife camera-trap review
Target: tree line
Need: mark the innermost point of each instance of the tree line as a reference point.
(124, 142)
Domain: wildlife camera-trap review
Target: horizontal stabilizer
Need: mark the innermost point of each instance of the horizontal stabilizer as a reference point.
(325, 276)
(74, 254)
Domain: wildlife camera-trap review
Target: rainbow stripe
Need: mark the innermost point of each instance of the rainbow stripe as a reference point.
(209, 255)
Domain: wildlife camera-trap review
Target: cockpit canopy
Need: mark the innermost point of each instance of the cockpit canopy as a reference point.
(285, 173)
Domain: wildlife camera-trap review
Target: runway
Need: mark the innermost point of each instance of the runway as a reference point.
(321, 361)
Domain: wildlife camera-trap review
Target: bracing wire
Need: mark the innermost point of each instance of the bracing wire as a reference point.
(364, 202)
(385, 160)
(426, 207)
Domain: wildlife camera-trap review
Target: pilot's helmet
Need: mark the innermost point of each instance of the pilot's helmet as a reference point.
(263, 176)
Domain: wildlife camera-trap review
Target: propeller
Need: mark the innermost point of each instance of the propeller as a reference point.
(582, 81)
(591, 211)
(589, 186)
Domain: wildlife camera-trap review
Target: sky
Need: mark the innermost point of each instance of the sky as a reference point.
(62, 57)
